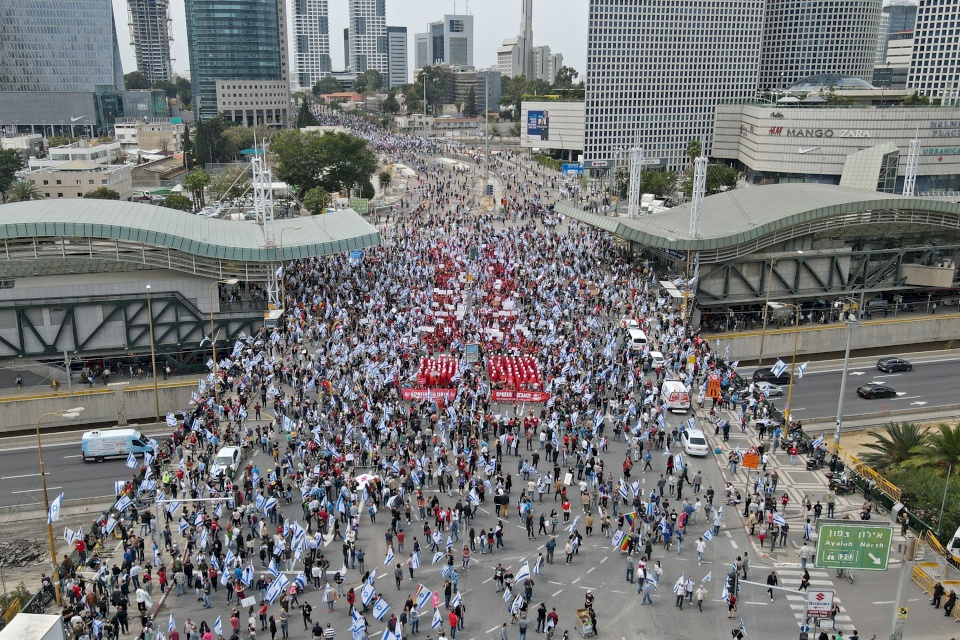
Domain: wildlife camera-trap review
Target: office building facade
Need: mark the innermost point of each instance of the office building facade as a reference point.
(246, 40)
(935, 64)
(367, 47)
(812, 37)
(525, 40)
(311, 42)
(657, 69)
(149, 24)
(396, 57)
(56, 57)
(449, 41)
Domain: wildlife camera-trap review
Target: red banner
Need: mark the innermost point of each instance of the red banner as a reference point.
(423, 394)
(519, 396)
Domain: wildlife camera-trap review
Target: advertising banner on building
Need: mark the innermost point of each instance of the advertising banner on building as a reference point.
(538, 125)
(519, 396)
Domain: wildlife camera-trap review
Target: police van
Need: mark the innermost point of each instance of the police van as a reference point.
(113, 443)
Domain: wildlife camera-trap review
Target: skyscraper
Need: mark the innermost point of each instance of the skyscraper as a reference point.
(803, 38)
(449, 41)
(56, 57)
(397, 57)
(240, 40)
(525, 41)
(149, 23)
(935, 63)
(368, 36)
(311, 49)
(657, 69)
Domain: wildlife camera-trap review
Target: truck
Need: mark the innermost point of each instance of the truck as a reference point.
(34, 626)
(113, 443)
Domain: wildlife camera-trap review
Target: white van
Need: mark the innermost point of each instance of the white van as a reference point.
(113, 443)
(636, 340)
(674, 394)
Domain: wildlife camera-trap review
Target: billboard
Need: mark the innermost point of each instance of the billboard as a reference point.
(538, 125)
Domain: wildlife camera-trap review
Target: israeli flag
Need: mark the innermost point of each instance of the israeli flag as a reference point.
(678, 461)
(171, 624)
(816, 443)
(707, 535)
(779, 519)
(272, 568)
(184, 525)
(524, 573)
(617, 539)
(380, 609)
(507, 594)
(415, 560)
(437, 619)
(358, 623)
(778, 368)
(678, 582)
(573, 525)
(801, 369)
(623, 489)
(389, 557)
(54, 514)
(277, 587)
(457, 600)
(118, 486)
(218, 627)
(131, 460)
(269, 504)
(68, 535)
(367, 593)
(707, 577)
(445, 570)
(228, 558)
(474, 498)
(247, 577)
(122, 503)
(517, 605)
(300, 580)
(742, 627)
(437, 557)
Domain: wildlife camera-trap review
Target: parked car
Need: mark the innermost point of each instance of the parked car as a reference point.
(766, 375)
(694, 442)
(875, 390)
(890, 364)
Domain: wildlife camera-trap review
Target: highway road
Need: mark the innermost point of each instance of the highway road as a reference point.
(932, 383)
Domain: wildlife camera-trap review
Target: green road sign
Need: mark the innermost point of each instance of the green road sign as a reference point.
(360, 205)
(853, 546)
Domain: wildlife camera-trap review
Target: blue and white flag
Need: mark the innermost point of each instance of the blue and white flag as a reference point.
(707, 577)
(457, 600)
(123, 503)
(367, 593)
(118, 486)
(573, 525)
(778, 368)
(389, 634)
(617, 539)
(437, 557)
(54, 514)
(517, 605)
(277, 587)
(778, 519)
(218, 627)
(816, 443)
(678, 461)
(422, 596)
(131, 460)
(184, 525)
(389, 557)
(707, 535)
(679, 582)
(801, 369)
(171, 624)
(623, 489)
(523, 573)
(272, 568)
(300, 580)
(380, 609)
(507, 594)
(437, 619)
(269, 504)
(172, 419)
(415, 560)
(742, 627)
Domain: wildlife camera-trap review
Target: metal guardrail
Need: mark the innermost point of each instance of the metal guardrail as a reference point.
(852, 462)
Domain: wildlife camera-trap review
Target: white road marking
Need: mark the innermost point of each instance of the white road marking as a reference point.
(26, 475)
(40, 489)
(590, 569)
(575, 581)
(603, 559)
(733, 544)
(491, 630)
(79, 455)
(557, 593)
(886, 602)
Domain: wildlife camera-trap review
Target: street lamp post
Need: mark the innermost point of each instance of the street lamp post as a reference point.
(153, 357)
(213, 340)
(846, 362)
(793, 358)
(55, 578)
(766, 305)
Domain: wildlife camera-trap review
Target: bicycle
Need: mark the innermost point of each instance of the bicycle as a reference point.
(841, 573)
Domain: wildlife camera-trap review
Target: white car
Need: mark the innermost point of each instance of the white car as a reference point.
(694, 442)
(228, 459)
(769, 389)
(657, 359)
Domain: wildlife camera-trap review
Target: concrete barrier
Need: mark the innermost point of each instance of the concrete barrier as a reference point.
(928, 332)
(103, 406)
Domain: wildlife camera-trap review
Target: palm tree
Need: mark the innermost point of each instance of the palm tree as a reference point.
(898, 442)
(943, 447)
(23, 190)
(694, 149)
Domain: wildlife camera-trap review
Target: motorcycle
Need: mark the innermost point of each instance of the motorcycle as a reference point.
(815, 461)
(842, 485)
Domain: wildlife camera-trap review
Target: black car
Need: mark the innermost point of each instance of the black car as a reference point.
(766, 375)
(891, 364)
(875, 390)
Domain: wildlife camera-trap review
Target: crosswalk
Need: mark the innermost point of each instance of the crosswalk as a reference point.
(819, 579)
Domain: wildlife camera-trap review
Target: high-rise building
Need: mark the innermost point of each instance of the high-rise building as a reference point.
(509, 63)
(804, 38)
(902, 13)
(935, 63)
(396, 57)
(57, 59)
(311, 44)
(525, 40)
(449, 41)
(882, 36)
(149, 24)
(657, 69)
(556, 63)
(368, 36)
(421, 46)
(240, 40)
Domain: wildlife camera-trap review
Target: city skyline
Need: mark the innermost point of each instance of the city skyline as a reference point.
(493, 21)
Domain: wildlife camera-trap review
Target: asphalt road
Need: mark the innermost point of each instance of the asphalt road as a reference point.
(816, 395)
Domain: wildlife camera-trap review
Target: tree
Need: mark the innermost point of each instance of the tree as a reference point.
(235, 139)
(168, 88)
(178, 202)
(23, 190)
(196, 181)
(305, 117)
(187, 147)
(565, 78)
(515, 129)
(316, 200)
(326, 85)
(102, 193)
(917, 100)
(335, 161)
(897, 443)
(184, 92)
(390, 104)
(209, 142)
(458, 105)
(694, 149)
(384, 178)
(470, 104)
(660, 183)
(11, 161)
(942, 448)
(366, 189)
(369, 81)
(229, 184)
(135, 80)
(58, 141)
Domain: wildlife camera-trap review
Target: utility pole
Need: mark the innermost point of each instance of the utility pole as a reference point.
(486, 133)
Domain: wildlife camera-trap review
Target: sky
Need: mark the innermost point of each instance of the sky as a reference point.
(559, 24)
